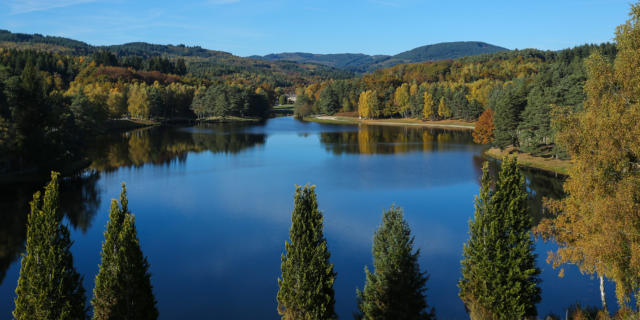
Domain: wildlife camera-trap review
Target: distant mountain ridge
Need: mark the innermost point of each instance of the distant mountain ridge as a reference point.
(288, 62)
(359, 62)
(203, 62)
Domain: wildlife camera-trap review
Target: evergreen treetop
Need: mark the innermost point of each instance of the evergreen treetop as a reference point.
(396, 287)
(306, 286)
(48, 287)
(499, 274)
(123, 285)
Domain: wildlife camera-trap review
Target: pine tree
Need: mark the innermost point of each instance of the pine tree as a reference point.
(508, 105)
(48, 286)
(396, 288)
(123, 285)
(500, 278)
(306, 286)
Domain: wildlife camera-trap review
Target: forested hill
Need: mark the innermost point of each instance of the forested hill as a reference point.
(358, 62)
(200, 62)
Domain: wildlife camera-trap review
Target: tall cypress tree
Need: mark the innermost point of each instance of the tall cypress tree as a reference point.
(306, 286)
(477, 256)
(123, 285)
(48, 286)
(500, 277)
(396, 288)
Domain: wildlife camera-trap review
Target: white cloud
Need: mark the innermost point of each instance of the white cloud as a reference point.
(25, 6)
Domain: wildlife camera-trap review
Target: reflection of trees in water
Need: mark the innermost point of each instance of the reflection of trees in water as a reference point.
(165, 145)
(390, 140)
(79, 200)
(540, 185)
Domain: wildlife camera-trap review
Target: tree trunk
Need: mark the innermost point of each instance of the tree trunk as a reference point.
(602, 296)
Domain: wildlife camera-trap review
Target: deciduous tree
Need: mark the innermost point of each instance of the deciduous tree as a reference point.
(596, 225)
(483, 132)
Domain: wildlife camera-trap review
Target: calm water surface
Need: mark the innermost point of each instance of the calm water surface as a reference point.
(213, 206)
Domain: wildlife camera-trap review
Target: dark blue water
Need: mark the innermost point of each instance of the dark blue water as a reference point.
(213, 205)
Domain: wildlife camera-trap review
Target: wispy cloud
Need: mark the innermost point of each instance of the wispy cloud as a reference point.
(25, 6)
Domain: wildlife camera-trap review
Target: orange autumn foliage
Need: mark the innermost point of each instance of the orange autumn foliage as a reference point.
(483, 133)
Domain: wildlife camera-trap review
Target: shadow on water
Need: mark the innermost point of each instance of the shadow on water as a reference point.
(79, 194)
(79, 200)
(540, 185)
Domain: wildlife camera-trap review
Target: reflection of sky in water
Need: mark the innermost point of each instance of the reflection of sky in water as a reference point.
(214, 225)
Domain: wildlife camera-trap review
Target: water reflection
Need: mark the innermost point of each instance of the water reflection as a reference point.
(207, 223)
(540, 185)
(79, 200)
(165, 145)
(373, 139)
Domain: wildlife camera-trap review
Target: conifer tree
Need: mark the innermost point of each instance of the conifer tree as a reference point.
(123, 285)
(48, 286)
(396, 288)
(306, 286)
(500, 278)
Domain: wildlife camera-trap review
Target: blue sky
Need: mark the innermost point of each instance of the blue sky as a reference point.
(247, 27)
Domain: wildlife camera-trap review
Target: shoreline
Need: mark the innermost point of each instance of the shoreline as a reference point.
(553, 166)
(548, 165)
(449, 124)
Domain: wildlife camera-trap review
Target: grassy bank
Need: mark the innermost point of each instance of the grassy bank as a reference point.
(449, 124)
(282, 110)
(229, 119)
(528, 160)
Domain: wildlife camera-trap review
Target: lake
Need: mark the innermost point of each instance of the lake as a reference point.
(213, 209)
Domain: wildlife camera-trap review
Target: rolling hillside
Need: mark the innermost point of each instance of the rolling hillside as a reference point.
(358, 62)
(201, 62)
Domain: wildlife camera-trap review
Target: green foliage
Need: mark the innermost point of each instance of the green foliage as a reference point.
(306, 285)
(221, 100)
(123, 285)
(508, 105)
(88, 116)
(328, 101)
(396, 288)
(303, 106)
(48, 286)
(499, 275)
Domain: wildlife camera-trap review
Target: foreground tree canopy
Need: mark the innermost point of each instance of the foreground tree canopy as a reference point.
(396, 287)
(596, 225)
(123, 285)
(499, 274)
(48, 287)
(306, 283)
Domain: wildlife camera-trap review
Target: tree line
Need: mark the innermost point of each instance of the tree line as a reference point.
(52, 104)
(517, 93)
